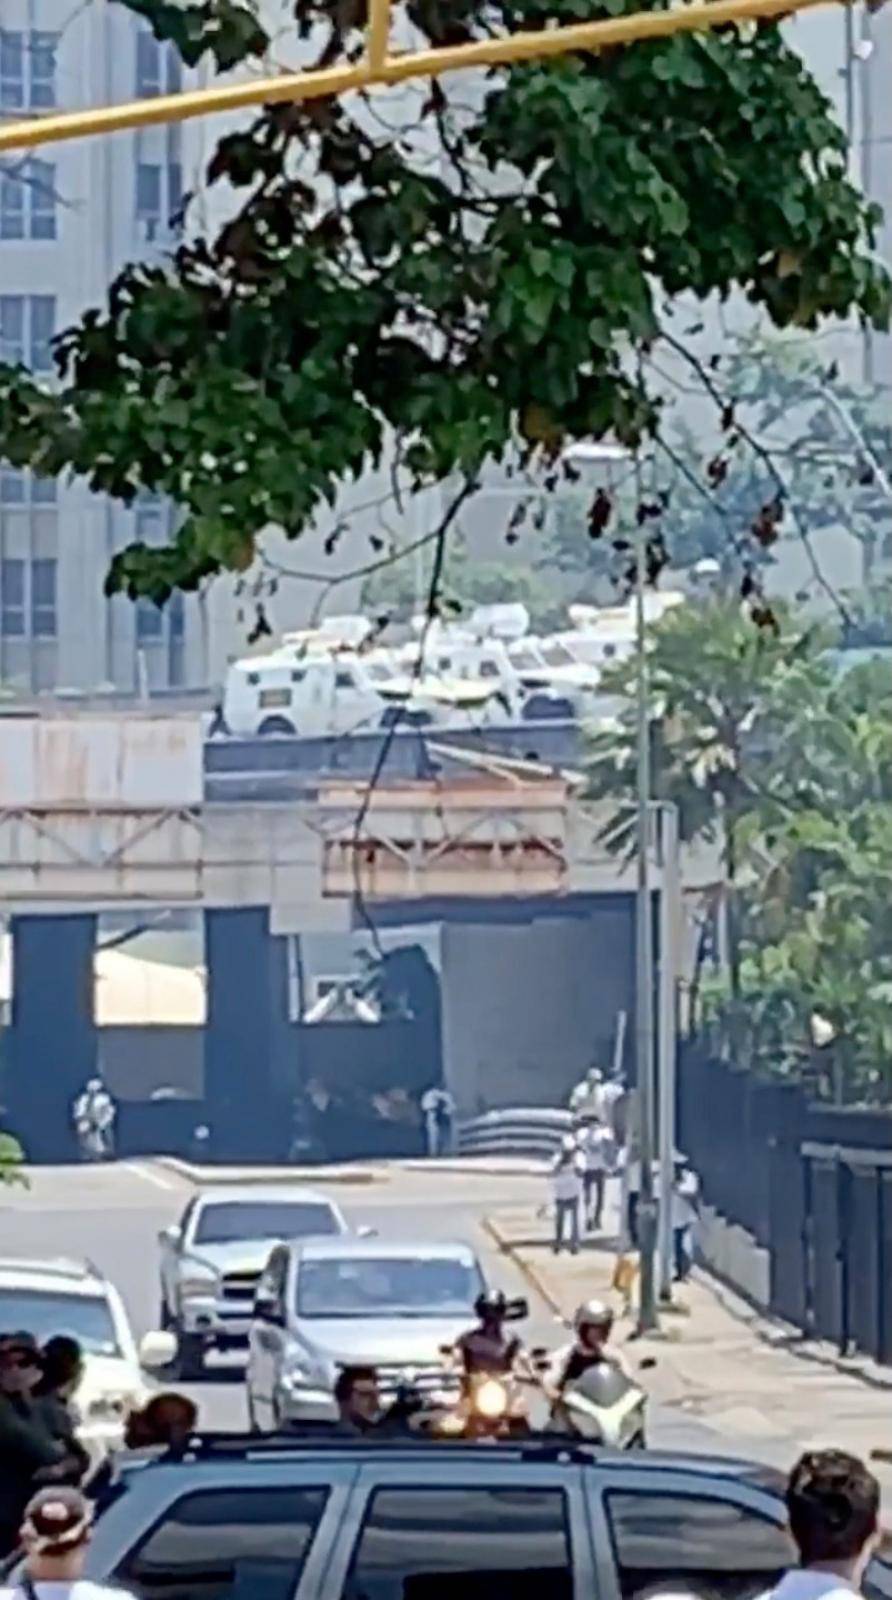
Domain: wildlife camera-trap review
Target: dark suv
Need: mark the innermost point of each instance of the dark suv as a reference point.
(281, 1519)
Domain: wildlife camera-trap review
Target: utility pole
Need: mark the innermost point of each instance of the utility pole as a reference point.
(670, 930)
(647, 1216)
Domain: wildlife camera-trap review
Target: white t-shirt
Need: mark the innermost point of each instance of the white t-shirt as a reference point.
(597, 1147)
(685, 1193)
(804, 1584)
(566, 1179)
(80, 1589)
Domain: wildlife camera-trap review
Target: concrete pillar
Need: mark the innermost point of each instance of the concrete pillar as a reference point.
(248, 1043)
(52, 1046)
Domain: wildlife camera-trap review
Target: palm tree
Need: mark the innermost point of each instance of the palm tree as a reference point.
(725, 698)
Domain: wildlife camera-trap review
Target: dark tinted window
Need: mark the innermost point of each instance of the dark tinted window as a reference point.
(708, 1546)
(226, 1544)
(479, 1544)
(231, 1220)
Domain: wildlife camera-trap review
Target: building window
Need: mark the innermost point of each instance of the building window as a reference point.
(20, 488)
(158, 67)
(28, 202)
(159, 195)
(28, 590)
(42, 76)
(43, 598)
(148, 192)
(149, 621)
(12, 599)
(27, 70)
(12, 70)
(27, 326)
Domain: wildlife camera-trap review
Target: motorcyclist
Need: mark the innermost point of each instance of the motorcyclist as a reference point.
(593, 1325)
(487, 1348)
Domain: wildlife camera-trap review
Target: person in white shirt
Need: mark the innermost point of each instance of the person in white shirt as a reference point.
(567, 1188)
(833, 1505)
(586, 1100)
(685, 1213)
(598, 1152)
(55, 1535)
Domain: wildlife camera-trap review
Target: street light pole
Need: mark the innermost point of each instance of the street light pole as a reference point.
(644, 1052)
(670, 932)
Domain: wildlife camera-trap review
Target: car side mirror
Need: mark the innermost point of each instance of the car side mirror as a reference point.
(157, 1350)
(169, 1235)
(516, 1310)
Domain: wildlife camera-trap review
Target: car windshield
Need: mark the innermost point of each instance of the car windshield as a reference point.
(388, 1286)
(557, 655)
(232, 1220)
(86, 1318)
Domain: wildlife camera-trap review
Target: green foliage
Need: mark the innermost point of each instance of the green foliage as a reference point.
(11, 1161)
(789, 764)
(359, 295)
(400, 589)
(725, 697)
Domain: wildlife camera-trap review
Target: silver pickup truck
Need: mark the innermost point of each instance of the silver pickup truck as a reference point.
(211, 1261)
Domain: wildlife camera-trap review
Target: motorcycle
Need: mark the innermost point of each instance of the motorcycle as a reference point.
(490, 1404)
(604, 1406)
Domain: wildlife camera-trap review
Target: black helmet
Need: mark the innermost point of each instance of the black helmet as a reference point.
(491, 1303)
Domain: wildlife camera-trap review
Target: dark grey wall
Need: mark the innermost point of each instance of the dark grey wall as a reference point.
(137, 1061)
(526, 1008)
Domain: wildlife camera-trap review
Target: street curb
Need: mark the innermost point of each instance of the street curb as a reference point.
(506, 1248)
(480, 1166)
(208, 1176)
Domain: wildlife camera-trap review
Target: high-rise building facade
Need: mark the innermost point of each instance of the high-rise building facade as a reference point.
(72, 215)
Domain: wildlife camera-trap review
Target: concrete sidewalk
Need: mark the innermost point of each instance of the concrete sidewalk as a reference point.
(762, 1389)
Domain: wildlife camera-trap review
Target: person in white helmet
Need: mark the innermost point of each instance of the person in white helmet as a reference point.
(592, 1327)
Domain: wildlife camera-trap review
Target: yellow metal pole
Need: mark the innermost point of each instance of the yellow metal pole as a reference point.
(315, 84)
(378, 35)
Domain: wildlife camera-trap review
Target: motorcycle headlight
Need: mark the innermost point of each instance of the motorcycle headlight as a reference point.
(491, 1399)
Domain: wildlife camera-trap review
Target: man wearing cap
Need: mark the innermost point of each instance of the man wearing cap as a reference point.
(55, 1533)
(29, 1454)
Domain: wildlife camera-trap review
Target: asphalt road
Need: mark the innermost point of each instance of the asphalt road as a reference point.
(112, 1215)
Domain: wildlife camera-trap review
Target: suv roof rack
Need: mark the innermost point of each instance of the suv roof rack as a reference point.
(216, 1445)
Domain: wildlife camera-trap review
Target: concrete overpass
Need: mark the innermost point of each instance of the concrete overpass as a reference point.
(506, 860)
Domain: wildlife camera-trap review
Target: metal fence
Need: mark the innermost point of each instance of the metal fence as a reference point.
(526, 1131)
(811, 1183)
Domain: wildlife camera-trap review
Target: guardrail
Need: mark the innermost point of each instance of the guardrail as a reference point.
(526, 1131)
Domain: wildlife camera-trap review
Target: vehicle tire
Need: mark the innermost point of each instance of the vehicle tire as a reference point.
(190, 1357)
(279, 725)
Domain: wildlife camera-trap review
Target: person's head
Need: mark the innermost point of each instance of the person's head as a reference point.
(20, 1366)
(169, 1418)
(594, 1075)
(63, 1366)
(833, 1503)
(491, 1307)
(94, 1085)
(356, 1394)
(55, 1534)
(593, 1323)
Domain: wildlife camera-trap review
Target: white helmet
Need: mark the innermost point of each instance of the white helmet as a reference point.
(593, 1314)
